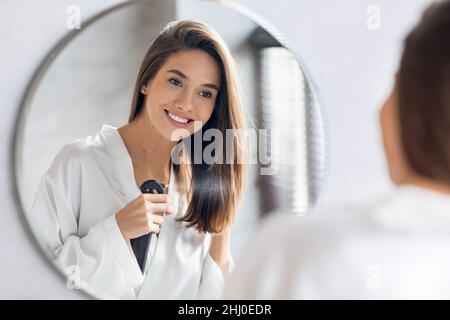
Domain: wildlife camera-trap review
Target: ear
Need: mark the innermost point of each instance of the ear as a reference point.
(144, 89)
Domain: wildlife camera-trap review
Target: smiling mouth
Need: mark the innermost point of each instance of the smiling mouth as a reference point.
(176, 120)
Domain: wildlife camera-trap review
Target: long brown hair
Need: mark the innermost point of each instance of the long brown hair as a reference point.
(424, 94)
(212, 190)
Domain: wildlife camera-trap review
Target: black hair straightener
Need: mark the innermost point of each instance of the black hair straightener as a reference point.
(141, 244)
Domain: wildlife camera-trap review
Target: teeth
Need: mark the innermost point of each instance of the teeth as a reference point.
(177, 119)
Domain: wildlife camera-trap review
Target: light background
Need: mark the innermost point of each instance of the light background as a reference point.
(352, 66)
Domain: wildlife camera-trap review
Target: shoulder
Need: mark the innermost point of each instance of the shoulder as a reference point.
(319, 233)
(78, 149)
(337, 252)
(353, 231)
(74, 155)
(316, 224)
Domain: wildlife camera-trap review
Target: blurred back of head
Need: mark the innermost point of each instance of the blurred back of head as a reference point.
(424, 94)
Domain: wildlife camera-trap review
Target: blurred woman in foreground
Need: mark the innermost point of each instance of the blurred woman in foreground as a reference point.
(399, 247)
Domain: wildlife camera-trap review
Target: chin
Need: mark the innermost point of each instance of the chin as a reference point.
(180, 134)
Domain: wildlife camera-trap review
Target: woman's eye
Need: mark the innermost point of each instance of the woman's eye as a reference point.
(206, 94)
(175, 82)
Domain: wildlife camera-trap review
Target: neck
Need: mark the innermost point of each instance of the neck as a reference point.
(149, 151)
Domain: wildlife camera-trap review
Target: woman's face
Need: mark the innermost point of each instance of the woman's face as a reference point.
(181, 97)
(389, 121)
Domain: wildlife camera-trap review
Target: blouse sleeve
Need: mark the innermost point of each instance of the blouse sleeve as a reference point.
(100, 262)
(212, 282)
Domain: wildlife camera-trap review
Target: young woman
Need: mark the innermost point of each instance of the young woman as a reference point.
(398, 247)
(89, 207)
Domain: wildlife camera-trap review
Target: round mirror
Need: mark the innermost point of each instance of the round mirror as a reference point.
(87, 81)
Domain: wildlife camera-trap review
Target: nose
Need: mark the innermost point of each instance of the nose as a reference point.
(183, 102)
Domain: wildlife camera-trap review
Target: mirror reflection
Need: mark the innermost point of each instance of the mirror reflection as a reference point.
(153, 142)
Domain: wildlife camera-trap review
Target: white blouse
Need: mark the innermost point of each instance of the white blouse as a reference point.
(73, 218)
(395, 248)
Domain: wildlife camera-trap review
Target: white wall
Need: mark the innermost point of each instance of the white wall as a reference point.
(352, 66)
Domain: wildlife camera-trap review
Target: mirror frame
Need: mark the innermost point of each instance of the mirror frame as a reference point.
(316, 184)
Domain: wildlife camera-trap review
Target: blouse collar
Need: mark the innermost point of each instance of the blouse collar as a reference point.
(414, 208)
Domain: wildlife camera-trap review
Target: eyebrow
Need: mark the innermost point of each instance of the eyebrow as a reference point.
(183, 76)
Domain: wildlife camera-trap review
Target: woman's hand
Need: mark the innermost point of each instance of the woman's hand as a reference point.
(143, 215)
